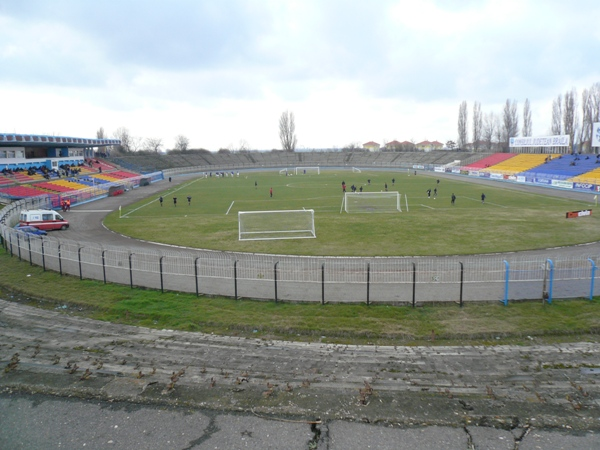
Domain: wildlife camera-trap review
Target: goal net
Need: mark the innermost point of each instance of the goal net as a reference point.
(289, 224)
(372, 202)
(307, 171)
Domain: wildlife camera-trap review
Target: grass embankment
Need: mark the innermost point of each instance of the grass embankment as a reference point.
(489, 323)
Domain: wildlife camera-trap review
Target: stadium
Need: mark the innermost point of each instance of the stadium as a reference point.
(240, 266)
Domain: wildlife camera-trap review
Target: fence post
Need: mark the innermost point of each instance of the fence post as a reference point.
(506, 276)
(593, 276)
(323, 284)
(275, 278)
(103, 267)
(547, 295)
(160, 265)
(11, 247)
(462, 277)
(414, 283)
(368, 281)
(235, 279)
(79, 260)
(19, 244)
(130, 271)
(196, 274)
(59, 260)
(29, 244)
(43, 256)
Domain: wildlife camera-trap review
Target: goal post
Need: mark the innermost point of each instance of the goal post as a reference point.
(372, 202)
(307, 171)
(269, 225)
(356, 170)
(283, 172)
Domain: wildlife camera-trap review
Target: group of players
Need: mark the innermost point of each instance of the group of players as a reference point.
(429, 191)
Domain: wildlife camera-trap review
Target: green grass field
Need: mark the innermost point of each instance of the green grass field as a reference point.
(508, 221)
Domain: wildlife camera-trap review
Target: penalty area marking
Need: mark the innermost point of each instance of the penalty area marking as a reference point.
(230, 207)
(425, 206)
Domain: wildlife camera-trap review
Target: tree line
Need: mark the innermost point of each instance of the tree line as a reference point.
(130, 143)
(492, 130)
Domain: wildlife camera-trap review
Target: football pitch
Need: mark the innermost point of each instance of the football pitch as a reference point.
(508, 220)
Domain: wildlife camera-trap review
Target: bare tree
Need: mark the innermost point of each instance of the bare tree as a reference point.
(181, 143)
(244, 146)
(100, 133)
(153, 144)
(462, 125)
(136, 143)
(570, 117)
(287, 131)
(122, 133)
(510, 122)
(557, 114)
(489, 130)
(526, 118)
(498, 131)
(477, 125)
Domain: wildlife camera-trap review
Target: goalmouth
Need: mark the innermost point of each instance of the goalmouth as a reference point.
(307, 171)
(269, 225)
(372, 202)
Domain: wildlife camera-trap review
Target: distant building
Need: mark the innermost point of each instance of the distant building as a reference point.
(428, 146)
(372, 146)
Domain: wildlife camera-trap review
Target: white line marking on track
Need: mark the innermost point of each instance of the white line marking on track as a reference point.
(92, 210)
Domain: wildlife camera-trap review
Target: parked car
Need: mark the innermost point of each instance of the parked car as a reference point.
(30, 230)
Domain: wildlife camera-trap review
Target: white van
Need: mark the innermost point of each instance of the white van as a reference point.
(44, 219)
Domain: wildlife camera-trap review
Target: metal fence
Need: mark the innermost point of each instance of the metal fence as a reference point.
(394, 280)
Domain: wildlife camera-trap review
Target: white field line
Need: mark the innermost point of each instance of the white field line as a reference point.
(425, 206)
(230, 207)
(156, 199)
(486, 202)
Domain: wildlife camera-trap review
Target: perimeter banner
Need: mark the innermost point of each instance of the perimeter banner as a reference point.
(541, 141)
(573, 214)
(596, 135)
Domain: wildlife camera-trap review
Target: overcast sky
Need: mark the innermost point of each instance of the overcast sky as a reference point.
(221, 72)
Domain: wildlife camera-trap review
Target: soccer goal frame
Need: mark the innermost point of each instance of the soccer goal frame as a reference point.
(356, 170)
(307, 170)
(372, 202)
(282, 224)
